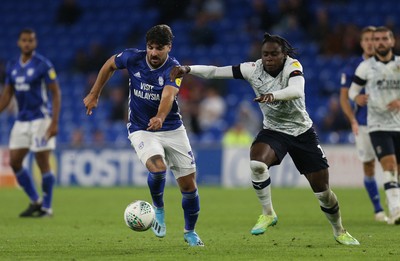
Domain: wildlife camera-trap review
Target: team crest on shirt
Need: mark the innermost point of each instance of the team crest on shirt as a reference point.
(160, 80)
(30, 71)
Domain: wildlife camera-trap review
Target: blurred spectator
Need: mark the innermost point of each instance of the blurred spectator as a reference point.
(77, 138)
(237, 136)
(262, 18)
(297, 12)
(119, 102)
(334, 118)
(322, 27)
(98, 138)
(68, 12)
(254, 51)
(190, 96)
(90, 79)
(211, 109)
(91, 60)
(202, 33)
(213, 10)
(169, 10)
(250, 117)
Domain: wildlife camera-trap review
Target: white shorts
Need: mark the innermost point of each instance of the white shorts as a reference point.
(31, 135)
(364, 146)
(173, 146)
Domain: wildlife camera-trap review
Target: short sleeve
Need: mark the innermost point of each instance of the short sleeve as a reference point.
(122, 59)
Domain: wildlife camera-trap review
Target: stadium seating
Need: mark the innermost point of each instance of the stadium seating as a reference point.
(111, 22)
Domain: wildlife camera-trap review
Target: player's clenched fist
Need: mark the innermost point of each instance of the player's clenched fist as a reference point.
(178, 72)
(268, 97)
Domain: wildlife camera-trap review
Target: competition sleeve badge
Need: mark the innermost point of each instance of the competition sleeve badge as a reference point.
(296, 64)
(178, 81)
(52, 74)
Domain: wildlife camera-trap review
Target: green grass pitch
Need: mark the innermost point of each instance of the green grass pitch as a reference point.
(88, 225)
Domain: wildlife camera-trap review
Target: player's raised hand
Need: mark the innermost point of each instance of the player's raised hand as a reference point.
(268, 97)
(178, 72)
(91, 100)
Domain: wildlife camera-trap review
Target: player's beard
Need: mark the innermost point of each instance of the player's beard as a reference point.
(154, 61)
(382, 51)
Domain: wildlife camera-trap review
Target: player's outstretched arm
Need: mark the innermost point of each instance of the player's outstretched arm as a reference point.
(167, 98)
(91, 100)
(5, 96)
(203, 71)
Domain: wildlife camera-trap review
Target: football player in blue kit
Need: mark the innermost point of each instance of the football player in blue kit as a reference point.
(31, 78)
(155, 128)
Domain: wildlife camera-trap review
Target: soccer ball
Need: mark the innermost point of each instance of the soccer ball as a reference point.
(139, 215)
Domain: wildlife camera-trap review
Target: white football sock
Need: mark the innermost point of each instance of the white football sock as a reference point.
(261, 184)
(330, 206)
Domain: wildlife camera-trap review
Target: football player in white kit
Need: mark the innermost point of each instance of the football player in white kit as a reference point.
(358, 120)
(278, 82)
(155, 128)
(380, 76)
(32, 79)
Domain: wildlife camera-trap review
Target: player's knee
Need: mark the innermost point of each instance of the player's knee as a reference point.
(259, 170)
(156, 164)
(258, 167)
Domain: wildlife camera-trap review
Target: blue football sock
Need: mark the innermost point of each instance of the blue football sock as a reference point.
(48, 180)
(191, 209)
(373, 193)
(26, 182)
(156, 183)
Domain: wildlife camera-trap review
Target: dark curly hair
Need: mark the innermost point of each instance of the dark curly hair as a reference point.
(159, 34)
(285, 45)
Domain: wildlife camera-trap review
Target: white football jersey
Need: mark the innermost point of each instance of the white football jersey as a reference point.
(290, 116)
(383, 86)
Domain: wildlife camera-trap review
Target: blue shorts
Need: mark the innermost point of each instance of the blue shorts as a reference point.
(386, 143)
(305, 150)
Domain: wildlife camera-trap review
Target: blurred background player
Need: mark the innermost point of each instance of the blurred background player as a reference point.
(32, 79)
(380, 76)
(155, 127)
(278, 82)
(358, 121)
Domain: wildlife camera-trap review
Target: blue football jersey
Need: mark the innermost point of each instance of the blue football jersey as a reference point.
(29, 82)
(145, 89)
(345, 82)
